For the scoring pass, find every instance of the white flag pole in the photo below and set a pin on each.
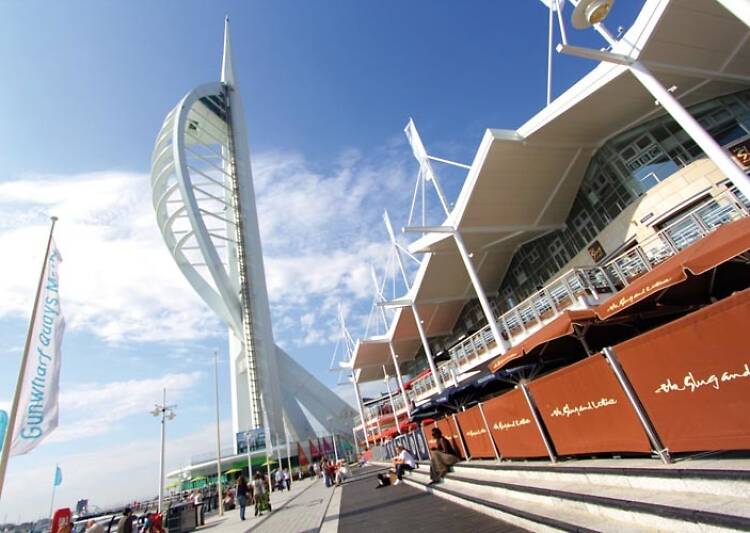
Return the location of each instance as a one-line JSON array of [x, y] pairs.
[[22, 372]]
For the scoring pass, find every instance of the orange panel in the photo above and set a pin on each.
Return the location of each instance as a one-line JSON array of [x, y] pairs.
[[585, 410], [513, 427], [693, 377], [478, 440]]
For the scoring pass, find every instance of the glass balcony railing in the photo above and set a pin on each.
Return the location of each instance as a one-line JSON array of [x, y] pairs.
[[582, 288]]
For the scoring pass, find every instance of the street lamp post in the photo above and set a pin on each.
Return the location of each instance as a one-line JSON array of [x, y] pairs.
[[218, 435], [249, 456], [333, 436], [166, 412]]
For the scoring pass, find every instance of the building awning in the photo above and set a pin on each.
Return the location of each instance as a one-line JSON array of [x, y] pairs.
[[523, 182], [371, 354], [562, 326], [724, 244]]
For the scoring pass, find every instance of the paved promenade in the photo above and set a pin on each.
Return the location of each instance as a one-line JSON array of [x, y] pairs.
[[301, 509], [355, 507]]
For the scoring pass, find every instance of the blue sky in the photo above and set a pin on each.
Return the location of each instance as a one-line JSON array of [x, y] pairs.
[[328, 88]]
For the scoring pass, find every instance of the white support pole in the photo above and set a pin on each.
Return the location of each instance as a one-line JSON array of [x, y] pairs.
[[693, 128], [269, 446], [425, 168], [161, 455], [687, 122], [218, 434], [288, 453], [278, 453], [489, 315], [559, 8], [739, 8], [361, 409], [550, 38], [335, 448], [394, 357], [399, 379], [269, 450], [356, 444], [386, 379], [417, 319], [427, 350], [249, 457]]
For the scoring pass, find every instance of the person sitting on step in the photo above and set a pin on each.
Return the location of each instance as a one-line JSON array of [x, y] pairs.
[[403, 461], [442, 457]]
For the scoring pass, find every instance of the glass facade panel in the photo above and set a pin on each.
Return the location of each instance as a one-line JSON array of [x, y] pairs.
[[622, 170]]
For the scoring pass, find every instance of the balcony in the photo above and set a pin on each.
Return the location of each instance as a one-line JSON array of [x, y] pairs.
[[581, 288]]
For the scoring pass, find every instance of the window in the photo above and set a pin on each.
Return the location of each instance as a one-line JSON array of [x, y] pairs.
[[584, 226], [620, 171], [558, 253]]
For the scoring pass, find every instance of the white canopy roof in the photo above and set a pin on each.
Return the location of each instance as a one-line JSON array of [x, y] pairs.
[[522, 182]]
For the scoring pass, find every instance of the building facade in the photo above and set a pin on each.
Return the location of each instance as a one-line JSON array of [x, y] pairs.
[[601, 183]]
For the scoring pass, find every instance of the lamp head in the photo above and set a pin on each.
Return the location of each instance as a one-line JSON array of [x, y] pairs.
[[590, 12]]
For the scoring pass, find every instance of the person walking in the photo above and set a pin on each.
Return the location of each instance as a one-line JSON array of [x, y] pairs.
[[197, 500], [317, 469], [243, 493], [287, 480], [125, 524], [330, 471], [260, 494], [279, 479]]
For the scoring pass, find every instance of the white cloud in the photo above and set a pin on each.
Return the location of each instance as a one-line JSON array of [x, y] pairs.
[[320, 231], [117, 279], [91, 409]]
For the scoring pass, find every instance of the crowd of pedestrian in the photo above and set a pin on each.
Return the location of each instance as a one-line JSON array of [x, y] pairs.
[[331, 471], [240, 494]]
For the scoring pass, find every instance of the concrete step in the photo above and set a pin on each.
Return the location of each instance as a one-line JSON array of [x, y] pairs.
[[728, 477], [598, 506], [517, 511]]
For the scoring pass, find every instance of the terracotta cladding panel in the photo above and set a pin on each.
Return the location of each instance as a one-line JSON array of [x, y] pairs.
[[513, 427], [585, 410], [478, 440], [693, 377]]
